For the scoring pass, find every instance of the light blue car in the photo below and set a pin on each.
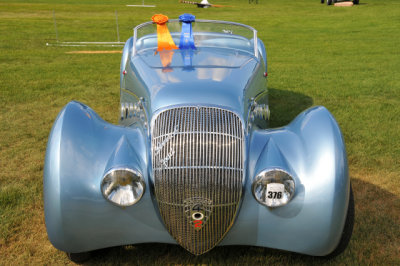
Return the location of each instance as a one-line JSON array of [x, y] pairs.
[[192, 161]]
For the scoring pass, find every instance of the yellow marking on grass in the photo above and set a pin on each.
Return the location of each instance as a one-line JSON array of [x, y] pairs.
[[344, 4], [94, 52]]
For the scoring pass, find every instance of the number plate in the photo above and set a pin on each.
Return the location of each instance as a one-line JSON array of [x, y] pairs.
[[274, 193]]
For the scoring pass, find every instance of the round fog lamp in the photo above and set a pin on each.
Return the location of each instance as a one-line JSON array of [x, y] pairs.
[[123, 187], [273, 187]]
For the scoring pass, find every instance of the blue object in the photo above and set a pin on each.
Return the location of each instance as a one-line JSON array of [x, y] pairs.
[[187, 58], [199, 140], [187, 40]]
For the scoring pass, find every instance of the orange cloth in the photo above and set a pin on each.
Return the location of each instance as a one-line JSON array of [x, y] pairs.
[[164, 38]]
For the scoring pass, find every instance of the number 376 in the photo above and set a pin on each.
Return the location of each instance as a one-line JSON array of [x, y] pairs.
[[274, 195]]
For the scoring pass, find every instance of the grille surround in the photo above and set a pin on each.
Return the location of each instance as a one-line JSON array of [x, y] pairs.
[[198, 166]]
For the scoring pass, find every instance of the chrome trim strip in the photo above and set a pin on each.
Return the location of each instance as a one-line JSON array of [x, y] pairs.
[[197, 132], [200, 167]]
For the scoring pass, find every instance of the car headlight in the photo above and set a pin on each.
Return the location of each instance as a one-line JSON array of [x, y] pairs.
[[273, 187], [123, 186]]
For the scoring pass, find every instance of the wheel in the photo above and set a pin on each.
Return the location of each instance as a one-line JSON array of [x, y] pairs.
[[79, 257], [356, 2], [329, 2], [347, 230], [322, 1]]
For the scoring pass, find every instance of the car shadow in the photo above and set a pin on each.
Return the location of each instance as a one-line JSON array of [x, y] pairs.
[[286, 105], [374, 236]]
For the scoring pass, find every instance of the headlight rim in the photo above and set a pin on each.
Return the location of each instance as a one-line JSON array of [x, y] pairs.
[[261, 174], [128, 169]]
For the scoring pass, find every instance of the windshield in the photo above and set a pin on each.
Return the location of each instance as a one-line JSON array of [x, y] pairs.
[[206, 33]]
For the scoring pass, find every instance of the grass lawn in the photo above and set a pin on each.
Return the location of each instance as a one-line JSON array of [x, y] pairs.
[[345, 58]]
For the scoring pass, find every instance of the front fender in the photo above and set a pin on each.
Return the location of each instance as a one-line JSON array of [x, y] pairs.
[[311, 149], [81, 148]]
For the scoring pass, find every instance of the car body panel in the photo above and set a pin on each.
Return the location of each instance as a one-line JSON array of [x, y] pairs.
[[82, 148]]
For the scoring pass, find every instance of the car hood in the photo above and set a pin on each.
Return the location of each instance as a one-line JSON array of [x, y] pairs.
[[206, 76]]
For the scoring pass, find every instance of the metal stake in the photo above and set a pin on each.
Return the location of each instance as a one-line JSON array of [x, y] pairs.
[[116, 18], [55, 24]]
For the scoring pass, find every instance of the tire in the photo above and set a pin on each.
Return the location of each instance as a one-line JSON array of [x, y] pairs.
[[322, 1], [347, 230], [356, 2], [79, 257], [329, 2]]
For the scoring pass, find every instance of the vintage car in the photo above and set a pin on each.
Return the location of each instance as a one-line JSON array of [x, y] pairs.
[[192, 161]]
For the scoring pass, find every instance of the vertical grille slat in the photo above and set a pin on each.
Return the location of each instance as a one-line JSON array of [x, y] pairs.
[[197, 159]]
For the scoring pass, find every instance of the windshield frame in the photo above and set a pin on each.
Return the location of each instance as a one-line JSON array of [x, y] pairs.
[[254, 31]]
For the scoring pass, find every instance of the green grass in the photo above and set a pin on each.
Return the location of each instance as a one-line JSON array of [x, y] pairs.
[[347, 59]]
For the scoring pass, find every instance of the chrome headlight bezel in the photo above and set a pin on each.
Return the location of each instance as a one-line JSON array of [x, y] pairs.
[[274, 177], [130, 180]]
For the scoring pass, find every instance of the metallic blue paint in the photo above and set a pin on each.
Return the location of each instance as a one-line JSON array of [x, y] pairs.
[[82, 148]]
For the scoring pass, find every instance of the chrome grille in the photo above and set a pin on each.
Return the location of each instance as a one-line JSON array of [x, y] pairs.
[[197, 159]]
